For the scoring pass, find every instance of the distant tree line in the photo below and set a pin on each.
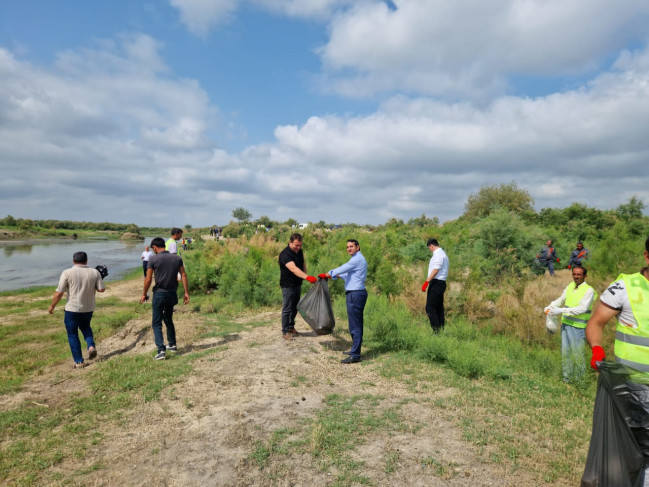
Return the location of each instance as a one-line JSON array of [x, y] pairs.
[[26, 223]]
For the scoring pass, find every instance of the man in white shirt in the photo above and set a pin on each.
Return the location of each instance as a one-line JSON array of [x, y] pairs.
[[575, 305], [435, 284], [145, 258]]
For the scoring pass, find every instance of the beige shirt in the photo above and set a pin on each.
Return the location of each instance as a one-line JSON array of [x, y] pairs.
[[80, 282]]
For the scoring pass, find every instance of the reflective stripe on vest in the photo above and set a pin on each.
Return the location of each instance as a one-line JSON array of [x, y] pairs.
[[632, 344], [573, 297]]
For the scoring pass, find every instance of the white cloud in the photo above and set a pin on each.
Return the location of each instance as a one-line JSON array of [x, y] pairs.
[[468, 48], [200, 16], [110, 133]]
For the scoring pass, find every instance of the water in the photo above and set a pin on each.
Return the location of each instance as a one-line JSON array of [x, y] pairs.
[[40, 262]]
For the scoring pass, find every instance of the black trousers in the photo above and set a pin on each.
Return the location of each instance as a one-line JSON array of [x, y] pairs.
[[435, 304]]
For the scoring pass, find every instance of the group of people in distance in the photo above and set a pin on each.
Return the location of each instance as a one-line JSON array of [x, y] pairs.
[[293, 271]]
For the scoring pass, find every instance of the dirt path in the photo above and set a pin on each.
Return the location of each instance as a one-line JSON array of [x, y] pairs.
[[203, 431]]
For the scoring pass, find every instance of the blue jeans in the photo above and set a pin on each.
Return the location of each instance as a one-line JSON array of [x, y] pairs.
[[73, 323], [162, 307], [573, 361], [355, 306], [290, 297]]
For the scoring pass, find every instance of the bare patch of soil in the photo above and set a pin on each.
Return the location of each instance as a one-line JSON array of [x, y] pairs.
[[203, 430]]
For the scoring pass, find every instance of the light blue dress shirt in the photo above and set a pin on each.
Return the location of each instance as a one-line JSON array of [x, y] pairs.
[[353, 272]]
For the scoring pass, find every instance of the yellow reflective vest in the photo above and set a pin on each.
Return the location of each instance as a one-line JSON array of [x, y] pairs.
[[168, 243], [573, 297], [632, 344]]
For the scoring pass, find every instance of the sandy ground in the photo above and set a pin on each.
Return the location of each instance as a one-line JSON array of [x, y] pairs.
[[203, 430]]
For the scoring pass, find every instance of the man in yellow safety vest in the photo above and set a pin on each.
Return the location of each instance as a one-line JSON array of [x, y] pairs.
[[575, 305], [627, 299]]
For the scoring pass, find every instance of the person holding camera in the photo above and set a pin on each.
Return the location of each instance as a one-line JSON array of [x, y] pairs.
[[80, 282]]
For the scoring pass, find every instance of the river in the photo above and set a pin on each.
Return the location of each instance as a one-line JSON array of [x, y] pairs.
[[40, 262]]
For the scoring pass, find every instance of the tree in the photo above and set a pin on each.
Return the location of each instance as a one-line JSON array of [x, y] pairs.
[[423, 221], [506, 196], [632, 209], [265, 221], [241, 214], [188, 227]]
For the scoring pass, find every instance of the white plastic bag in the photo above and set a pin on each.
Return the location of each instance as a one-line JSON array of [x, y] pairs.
[[551, 323]]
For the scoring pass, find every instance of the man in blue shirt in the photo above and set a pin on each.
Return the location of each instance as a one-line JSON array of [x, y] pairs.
[[354, 272]]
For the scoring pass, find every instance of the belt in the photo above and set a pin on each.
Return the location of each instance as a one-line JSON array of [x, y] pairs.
[[354, 291]]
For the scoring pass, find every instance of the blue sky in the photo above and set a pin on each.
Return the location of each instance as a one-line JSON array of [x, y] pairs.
[[175, 112]]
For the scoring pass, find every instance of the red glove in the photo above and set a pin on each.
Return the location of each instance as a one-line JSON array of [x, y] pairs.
[[598, 356], [323, 276], [558, 260], [424, 286], [569, 266], [311, 279]]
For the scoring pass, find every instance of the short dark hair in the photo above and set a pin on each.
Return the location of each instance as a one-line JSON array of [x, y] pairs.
[[80, 258], [580, 243], [295, 236], [176, 231], [158, 242], [354, 241], [580, 267], [432, 241]]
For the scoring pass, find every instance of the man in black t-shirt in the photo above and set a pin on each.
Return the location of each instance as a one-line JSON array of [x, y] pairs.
[[166, 267], [292, 271]]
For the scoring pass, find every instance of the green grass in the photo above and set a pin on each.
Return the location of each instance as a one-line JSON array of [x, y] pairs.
[[506, 398]]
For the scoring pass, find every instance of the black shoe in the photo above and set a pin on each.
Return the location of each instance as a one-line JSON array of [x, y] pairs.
[[350, 360], [348, 352]]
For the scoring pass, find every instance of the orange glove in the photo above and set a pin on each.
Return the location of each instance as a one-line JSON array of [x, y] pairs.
[[424, 286], [311, 279], [598, 356]]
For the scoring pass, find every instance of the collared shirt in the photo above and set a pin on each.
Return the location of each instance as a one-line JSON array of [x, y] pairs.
[[582, 307], [354, 272], [80, 282], [439, 260]]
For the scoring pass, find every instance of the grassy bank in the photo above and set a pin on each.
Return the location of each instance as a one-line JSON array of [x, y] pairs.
[[507, 397]]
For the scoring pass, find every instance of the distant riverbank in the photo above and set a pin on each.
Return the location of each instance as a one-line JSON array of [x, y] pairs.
[[38, 234]]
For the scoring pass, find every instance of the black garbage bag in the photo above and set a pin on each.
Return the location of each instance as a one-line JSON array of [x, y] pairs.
[[619, 443], [315, 307]]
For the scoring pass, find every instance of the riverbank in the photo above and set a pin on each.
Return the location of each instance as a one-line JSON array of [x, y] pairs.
[[10, 235]]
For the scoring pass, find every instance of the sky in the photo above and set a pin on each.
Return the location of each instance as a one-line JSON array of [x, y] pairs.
[[176, 112]]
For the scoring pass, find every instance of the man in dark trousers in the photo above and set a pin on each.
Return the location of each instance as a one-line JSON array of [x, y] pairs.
[[166, 267], [435, 285], [292, 271], [547, 256], [354, 272]]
